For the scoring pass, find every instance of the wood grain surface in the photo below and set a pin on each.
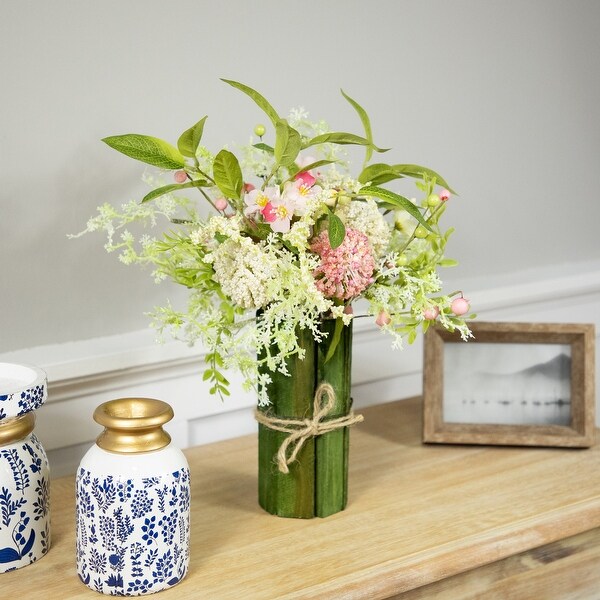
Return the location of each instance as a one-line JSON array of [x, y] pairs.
[[417, 514]]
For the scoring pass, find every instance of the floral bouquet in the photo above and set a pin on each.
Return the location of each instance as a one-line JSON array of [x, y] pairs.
[[279, 244]]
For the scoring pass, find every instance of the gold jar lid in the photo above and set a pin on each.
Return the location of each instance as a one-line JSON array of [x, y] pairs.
[[133, 425], [16, 428]]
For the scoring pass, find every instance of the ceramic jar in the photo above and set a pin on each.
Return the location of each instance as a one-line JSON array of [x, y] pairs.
[[133, 502], [24, 470], [24, 494]]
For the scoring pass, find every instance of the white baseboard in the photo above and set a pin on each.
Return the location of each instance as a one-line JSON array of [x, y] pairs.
[[83, 374]]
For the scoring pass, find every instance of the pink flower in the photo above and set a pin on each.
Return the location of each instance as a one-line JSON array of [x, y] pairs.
[[283, 210], [297, 192], [306, 178], [268, 213], [347, 270], [257, 200]]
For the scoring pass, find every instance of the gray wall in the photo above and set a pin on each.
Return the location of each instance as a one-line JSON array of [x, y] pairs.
[[502, 98]]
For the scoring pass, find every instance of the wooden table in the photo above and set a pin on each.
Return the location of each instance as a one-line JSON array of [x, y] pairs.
[[422, 522]]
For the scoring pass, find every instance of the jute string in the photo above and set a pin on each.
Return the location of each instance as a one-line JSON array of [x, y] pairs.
[[301, 430]]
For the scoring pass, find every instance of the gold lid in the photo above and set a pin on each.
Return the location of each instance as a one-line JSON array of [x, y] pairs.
[[133, 425], [15, 429]]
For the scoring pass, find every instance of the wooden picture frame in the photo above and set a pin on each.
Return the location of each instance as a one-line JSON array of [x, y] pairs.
[[512, 376]]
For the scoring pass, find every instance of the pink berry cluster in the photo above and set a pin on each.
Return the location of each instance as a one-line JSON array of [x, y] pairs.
[[344, 271], [459, 306]]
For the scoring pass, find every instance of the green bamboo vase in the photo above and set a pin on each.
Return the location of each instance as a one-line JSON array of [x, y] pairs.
[[317, 482]]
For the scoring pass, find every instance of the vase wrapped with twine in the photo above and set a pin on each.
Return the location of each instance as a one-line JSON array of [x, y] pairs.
[[303, 434]]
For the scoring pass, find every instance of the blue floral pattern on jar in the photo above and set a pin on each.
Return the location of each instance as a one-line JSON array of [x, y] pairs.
[[19, 403], [132, 534], [24, 503]]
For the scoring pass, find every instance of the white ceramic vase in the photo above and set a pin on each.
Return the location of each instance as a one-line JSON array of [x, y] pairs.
[[133, 502], [24, 470]]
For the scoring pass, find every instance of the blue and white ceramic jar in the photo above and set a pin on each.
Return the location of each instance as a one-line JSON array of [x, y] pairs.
[[133, 502], [24, 494], [24, 470]]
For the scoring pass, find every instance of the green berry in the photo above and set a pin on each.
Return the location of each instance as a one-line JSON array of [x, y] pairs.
[[260, 130], [402, 260], [433, 200], [421, 232]]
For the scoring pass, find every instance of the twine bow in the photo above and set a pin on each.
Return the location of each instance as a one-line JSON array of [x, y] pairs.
[[301, 430]]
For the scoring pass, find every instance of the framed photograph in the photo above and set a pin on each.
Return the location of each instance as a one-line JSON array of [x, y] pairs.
[[522, 384]]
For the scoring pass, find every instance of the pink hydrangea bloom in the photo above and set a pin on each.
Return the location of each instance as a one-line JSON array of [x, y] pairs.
[[347, 270]]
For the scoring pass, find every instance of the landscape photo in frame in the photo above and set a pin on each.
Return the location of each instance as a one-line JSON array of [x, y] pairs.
[[507, 384], [529, 384]]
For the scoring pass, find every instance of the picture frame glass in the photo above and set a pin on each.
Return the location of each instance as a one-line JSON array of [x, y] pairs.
[[507, 383]]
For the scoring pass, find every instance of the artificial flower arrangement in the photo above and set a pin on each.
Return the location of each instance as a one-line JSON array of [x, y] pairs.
[[280, 242], [292, 237]]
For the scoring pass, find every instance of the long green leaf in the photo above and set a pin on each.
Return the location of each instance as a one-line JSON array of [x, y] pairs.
[[228, 174], [316, 164], [173, 187], [378, 173], [395, 200], [147, 149], [340, 137], [287, 143], [189, 140], [262, 102], [418, 171], [364, 117]]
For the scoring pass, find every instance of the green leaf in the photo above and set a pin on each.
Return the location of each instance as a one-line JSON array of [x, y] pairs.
[[336, 231], [364, 117], [448, 262], [189, 140], [287, 143], [264, 147], [335, 340], [338, 137], [165, 189], [395, 201], [294, 169], [262, 103], [228, 174], [378, 173], [147, 149], [315, 165], [417, 171]]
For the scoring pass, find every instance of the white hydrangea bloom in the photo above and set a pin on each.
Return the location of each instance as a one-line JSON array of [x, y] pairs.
[[334, 179], [366, 218], [244, 269]]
